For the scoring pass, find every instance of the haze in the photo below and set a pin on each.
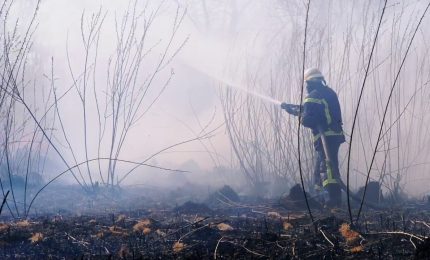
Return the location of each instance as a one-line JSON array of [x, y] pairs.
[[258, 46]]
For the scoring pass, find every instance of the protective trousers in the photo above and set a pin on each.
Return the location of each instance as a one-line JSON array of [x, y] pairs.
[[326, 174]]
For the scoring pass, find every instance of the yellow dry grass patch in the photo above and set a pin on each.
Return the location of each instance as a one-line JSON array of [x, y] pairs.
[[36, 238], [287, 225], [295, 216], [357, 249], [335, 210], [199, 219], [23, 224], [178, 247], [273, 214], [350, 236], [160, 233], [224, 227], [146, 231], [142, 226], [3, 227], [100, 235], [117, 231], [121, 218]]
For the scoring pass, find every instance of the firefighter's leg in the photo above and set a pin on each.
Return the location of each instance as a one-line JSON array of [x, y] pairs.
[[335, 195], [331, 183], [319, 164]]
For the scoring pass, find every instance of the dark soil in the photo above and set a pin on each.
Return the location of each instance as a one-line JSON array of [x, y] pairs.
[[190, 207]]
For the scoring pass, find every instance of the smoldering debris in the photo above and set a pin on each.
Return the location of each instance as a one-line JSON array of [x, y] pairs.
[[222, 196], [190, 207], [373, 193], [296, 199]]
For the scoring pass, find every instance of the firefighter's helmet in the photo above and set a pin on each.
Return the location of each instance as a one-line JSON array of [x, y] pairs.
[[313, 74]]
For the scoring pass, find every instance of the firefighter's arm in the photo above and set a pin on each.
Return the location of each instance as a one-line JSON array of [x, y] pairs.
[[291, 109], [312, 113]]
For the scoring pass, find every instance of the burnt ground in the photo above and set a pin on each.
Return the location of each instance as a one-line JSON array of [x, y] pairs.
[[217, 228]]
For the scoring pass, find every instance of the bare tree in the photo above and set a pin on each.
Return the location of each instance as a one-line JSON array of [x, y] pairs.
[[31, 112], [24, 146], [132, 86]]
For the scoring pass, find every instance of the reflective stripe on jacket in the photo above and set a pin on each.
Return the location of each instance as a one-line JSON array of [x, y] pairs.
[[321, 108]]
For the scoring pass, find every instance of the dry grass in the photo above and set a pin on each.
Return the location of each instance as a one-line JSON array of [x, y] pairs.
[[287, 225], [178, 247], [3, 227], [160, 233], [121, 218], [274, 215], [349, 235], [146, 231], [36, 238], [142, 226], [224, 227], [23, 224], [198, 219], [100, 235], [357, 249], [335, 211], [117, 231]]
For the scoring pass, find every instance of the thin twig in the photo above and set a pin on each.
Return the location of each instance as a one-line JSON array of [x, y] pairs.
[[216, 248], [412, 242], [386, 108], [356, 115], [192, 231], [4, 202], [420, 238], [248, 250], [300, 113], [326, 238], [422, 222], [189, 225]]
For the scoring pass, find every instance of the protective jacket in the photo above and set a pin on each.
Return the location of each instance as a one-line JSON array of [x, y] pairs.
[[321, 109]]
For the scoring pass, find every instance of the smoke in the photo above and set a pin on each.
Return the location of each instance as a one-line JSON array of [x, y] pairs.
[[256, 45]]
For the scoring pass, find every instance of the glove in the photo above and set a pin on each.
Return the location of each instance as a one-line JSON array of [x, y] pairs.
[[291, 109], [284, 106]]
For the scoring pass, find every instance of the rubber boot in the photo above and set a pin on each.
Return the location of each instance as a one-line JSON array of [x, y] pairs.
[[335, 195]]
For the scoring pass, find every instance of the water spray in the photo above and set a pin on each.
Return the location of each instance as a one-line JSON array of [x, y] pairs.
[[228, 83]]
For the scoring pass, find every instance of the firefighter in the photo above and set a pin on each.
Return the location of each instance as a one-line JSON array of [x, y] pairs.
[[321, 113]]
